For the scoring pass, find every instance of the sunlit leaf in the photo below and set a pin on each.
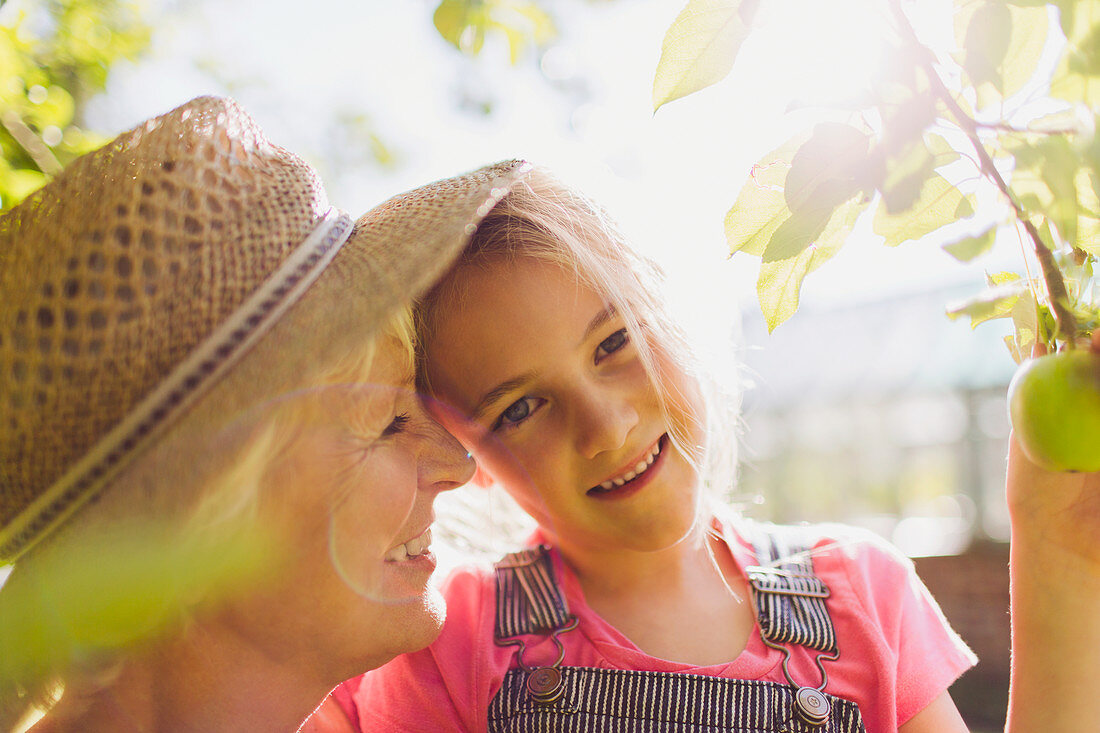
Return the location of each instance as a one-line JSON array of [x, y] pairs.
[[1088, 211], [988, 34], [938, 205], [779, 283], [1000, 45], [1025, 321], [995, 302], [699, 48], [941, 150], [827, 169], [905, 177], [450, 20], [760, 207], [1059, 172], [1030, 28], [971, 247], [1075, 79]]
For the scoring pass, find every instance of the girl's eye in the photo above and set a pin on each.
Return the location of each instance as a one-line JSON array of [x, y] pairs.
[[397, 425], [517, 412], [611, 344]]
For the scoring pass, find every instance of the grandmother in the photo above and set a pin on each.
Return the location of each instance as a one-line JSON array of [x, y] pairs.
[[216, 482]]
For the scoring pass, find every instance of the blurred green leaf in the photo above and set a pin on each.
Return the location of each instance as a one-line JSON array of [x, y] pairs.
[[1059, 172], [54, 57], [988, 33], [995, 302], [129, 586], [1000, 44], [939, 204], [700, 47], [905, 176], [972, 247], [466, 23]]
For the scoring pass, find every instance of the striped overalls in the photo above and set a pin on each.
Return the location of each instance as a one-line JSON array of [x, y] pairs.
[[790, 608]]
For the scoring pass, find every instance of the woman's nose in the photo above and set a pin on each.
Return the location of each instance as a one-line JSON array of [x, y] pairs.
[[603, 422], [443, 463]]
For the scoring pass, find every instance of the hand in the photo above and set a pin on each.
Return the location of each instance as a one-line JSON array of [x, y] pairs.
[[1052, 510]]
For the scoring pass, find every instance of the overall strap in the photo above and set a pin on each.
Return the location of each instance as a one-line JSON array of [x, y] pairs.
[[528, 595], [789, 597]]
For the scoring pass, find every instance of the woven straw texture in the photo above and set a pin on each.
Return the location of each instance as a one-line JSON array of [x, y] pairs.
[[117, 269], [402, 247]]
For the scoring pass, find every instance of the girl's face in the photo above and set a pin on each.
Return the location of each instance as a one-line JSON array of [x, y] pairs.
[[352, 497], [537, 374]]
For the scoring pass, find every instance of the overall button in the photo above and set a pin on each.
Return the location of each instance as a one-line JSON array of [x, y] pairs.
[[544, 684], [811, 705]]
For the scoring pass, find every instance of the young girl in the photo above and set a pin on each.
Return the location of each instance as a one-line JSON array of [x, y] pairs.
[[641, 603]]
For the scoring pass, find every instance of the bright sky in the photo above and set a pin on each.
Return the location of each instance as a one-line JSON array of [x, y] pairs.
[[670, 176]]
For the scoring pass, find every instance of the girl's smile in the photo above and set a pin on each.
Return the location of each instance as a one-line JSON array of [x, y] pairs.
[[554, 400]]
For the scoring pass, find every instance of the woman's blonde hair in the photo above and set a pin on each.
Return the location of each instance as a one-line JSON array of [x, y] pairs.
[[544, 219], [197, 487]]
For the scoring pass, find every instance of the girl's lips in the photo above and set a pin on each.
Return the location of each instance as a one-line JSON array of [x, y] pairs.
[[411, 549], [621, 487]]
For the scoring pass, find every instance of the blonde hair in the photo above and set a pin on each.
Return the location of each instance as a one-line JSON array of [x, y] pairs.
[[543, 219], [215, 488]]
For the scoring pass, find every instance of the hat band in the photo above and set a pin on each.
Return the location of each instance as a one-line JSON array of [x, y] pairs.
[[210, 359]]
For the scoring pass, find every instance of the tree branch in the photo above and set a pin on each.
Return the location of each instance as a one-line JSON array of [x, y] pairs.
[[1066, 322]]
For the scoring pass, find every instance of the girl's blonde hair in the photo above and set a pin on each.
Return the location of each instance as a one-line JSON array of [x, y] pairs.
[[543, 219], [203, 487]]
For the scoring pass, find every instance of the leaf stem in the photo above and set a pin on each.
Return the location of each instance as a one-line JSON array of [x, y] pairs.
[[1066, 323]]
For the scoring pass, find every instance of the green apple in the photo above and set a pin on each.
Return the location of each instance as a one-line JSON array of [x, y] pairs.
[[1054, 405]]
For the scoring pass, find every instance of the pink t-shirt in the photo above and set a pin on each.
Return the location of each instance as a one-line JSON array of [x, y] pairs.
[[897, 652]]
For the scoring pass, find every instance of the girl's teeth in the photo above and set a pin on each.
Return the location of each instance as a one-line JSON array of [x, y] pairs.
[[413, 548], [639, 468]]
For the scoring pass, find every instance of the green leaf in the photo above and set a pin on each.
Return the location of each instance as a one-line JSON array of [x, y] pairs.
[[939, 204], [779, 283], [1000, 45], [987, 37], [449, 19], [761, 207], [1075, 79], [1059, 171], [1025, 322], [969, 248], [129, 586], [699, 48], [905, 177], [827, 169], [1000, 278], [995, 302]]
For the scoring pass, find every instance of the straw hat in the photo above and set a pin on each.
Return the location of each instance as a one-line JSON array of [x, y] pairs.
[[139, 276]]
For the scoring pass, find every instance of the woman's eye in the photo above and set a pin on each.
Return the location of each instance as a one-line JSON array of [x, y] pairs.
[[611, 344], [397, 425], [517, 412]]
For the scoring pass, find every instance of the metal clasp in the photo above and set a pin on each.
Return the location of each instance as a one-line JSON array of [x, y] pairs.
[[544, 683]]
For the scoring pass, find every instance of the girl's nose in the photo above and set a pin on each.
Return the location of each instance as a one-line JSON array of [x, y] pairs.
[[603, 422], [443, 463]]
